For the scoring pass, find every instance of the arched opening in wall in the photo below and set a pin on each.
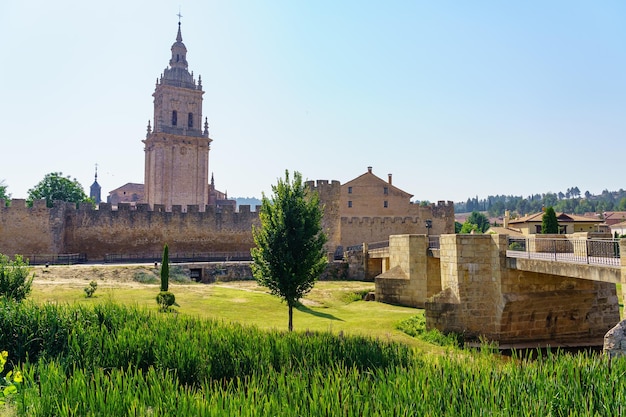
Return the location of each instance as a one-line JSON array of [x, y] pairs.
[[190, 120], [174, 118]]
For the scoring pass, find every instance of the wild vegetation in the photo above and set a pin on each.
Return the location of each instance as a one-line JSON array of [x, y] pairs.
[[124, 361], [97, 356]]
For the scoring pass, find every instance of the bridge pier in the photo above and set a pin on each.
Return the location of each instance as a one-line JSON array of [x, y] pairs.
[[412, 275]]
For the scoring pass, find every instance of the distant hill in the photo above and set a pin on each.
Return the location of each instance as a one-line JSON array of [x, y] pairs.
[[250, 201]]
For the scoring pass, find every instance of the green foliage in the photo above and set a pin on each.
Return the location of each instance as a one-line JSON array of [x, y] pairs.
[[165, 269], [116, 361], [549, 222], [4, 195], [165, 300], [289, 255], [180, 275], [416, 326], [93, 286], [469, 228], [9, 381], [457, 227], [145, 278], [476, 222], [15, 278], [54, 187]]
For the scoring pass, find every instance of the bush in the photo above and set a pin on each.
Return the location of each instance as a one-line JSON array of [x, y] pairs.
[[165, 299], [416, 326], [145, 278], [15, 279], [93, 286]]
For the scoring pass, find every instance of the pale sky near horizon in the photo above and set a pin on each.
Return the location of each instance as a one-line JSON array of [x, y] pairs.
[[456, 99]]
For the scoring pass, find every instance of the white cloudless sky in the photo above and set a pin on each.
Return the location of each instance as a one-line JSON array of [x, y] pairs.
[[456, 99]]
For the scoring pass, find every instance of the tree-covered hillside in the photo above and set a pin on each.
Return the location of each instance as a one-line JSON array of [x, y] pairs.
[[572, 201]]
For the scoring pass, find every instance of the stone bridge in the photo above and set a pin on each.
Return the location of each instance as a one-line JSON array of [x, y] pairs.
[[533, 292]]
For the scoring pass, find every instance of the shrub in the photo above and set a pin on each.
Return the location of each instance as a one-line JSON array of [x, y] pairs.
[[165, 299], [416, 326], [15, 278], [93, 286], [145, 278]]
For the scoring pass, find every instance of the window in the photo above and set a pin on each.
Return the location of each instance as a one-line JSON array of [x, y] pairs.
[[386, 191], [538, 228], [385, 204], [349, 190], [349, 203], [174, 118], [190, 120]]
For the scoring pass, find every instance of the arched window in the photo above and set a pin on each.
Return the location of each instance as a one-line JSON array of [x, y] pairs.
[[190, 120], [174, 118]]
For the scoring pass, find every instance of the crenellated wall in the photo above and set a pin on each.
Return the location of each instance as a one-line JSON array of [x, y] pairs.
[[141, 229], [127, 230]]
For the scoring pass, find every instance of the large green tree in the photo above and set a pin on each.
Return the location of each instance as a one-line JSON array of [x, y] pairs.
[[55, 186], [549, 222], [289, 255]]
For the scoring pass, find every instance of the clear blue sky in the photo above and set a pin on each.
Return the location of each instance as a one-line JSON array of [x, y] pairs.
[[454, 98]]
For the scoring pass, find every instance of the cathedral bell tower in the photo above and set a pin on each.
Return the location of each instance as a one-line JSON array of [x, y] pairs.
[[177, 145]]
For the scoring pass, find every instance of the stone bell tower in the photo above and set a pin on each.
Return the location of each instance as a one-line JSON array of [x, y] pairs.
[[177, 145]]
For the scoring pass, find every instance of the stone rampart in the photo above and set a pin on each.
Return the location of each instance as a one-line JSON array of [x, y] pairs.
[[329, 193], [356, 230], [127, 230]]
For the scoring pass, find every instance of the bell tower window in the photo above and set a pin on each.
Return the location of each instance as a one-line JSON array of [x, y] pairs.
[[174, 118], [190, 120]]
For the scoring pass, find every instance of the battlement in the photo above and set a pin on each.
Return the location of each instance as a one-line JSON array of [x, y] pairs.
[[325, 185]]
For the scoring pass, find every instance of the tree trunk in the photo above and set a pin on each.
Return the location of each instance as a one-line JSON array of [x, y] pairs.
[[290, 317]]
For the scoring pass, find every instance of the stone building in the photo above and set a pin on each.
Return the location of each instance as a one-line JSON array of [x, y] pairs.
[[177, 144]]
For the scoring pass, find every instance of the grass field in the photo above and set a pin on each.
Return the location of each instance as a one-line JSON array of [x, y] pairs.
[[330, 306], [115, 355]]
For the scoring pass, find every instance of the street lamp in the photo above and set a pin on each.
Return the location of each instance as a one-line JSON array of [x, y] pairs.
[[429, 225]]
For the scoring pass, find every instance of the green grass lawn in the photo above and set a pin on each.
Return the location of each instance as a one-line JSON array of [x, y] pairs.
[[330, 306]]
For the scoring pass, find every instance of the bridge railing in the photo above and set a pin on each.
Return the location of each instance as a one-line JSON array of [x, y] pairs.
[[587, 251]]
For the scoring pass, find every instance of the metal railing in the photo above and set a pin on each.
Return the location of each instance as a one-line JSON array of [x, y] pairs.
[[433, 242], [584, 251], [56, 259], [178, 257]]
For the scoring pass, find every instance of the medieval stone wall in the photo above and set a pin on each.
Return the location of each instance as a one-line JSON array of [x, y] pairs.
[[140, 230], [27, 230], [127, 230], [356, 230]]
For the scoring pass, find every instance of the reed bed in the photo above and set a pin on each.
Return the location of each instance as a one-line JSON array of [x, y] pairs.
[[123, 361]]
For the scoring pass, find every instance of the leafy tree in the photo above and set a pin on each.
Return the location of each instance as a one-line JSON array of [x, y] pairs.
[[4, 195], [289, 255], [55, 186], [468, 228], [480, 220], [15, 278], [549, 222]]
